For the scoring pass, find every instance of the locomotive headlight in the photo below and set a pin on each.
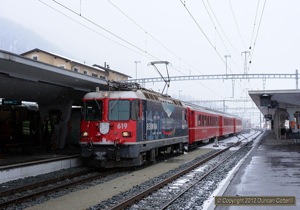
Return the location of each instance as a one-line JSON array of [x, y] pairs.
[[126, 134], [105, 94], [85, 134], [104, 127]]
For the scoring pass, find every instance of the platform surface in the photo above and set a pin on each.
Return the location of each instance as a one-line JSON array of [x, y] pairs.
[[272, 169], [17, 157]]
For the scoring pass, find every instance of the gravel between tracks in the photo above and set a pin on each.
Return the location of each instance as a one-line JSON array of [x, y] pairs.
[[94, 193]]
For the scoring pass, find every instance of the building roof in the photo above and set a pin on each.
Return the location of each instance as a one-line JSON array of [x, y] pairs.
[[56, 55], [285, 99], [71, 60], [108, 69]]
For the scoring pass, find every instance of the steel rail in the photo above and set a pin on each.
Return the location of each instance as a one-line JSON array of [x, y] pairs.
[[133, 199], [62, 186], [43, 183], [191, 185]]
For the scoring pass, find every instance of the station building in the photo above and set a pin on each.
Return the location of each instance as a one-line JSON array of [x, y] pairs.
[[38, 84]]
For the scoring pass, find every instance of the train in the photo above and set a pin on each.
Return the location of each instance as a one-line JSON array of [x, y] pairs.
[[129, 125]]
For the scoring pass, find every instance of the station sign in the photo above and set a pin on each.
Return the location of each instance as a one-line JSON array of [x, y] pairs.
[[11, 102], [268, 117]]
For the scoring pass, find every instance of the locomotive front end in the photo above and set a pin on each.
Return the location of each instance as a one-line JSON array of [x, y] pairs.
[[108, 126]]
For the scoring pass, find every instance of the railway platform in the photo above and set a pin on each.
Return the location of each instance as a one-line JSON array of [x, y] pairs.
[[16, 165], [271, 169]]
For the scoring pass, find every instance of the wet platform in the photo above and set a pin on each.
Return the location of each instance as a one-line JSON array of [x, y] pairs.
[[271, 169]]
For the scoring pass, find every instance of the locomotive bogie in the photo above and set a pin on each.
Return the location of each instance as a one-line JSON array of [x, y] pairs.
[[126, 155]]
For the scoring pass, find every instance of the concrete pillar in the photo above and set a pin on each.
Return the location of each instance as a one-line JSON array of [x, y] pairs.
[[61, 128], [279, 122], [276, 124], [66, 113]]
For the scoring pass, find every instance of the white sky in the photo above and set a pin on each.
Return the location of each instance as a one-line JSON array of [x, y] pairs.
[[166, 31]]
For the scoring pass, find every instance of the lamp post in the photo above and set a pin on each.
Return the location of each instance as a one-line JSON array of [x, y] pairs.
[[226, 56], [136, 62]]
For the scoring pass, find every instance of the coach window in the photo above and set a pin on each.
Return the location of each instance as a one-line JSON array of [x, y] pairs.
[[119, 110], [135, 109], [202, 120]]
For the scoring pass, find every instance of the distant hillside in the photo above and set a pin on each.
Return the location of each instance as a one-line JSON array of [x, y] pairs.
[[17, 39]]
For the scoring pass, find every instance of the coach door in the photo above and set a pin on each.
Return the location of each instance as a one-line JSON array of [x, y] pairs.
[[220, 126]]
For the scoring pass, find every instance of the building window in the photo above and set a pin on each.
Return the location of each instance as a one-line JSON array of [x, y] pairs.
[[61, 66], [76, 69], [94, 75], [102, 77], [85, 72], [35, 57]]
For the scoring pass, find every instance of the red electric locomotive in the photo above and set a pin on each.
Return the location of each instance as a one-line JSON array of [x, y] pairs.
[[128, 127]]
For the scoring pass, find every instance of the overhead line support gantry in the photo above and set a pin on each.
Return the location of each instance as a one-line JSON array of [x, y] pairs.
[[220, 76]]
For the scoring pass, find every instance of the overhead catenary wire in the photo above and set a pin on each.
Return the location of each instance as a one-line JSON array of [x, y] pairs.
[[236, 24], [230, 43], [81, 16], [191, 15], [252, 35], [113, 34], [254, 24], [89, 28], [150, 35], [240, 35], [254, 43], [219, 33], [104, 29], [146, 32], [138, 49], [202, 31]]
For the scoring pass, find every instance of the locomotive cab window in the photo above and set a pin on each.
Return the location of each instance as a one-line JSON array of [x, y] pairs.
[[119, 109], [93, 110]]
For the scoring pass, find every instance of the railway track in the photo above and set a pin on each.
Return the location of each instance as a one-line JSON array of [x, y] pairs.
[[164, 193], [32, 191]]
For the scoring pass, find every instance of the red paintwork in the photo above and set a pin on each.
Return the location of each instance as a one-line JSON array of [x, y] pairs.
[[223, 125], [115, 131], [201, 132]]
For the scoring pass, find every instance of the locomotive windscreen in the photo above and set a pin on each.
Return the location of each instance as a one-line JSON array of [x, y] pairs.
[[93, 110], [123, 110], [119, 110]]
